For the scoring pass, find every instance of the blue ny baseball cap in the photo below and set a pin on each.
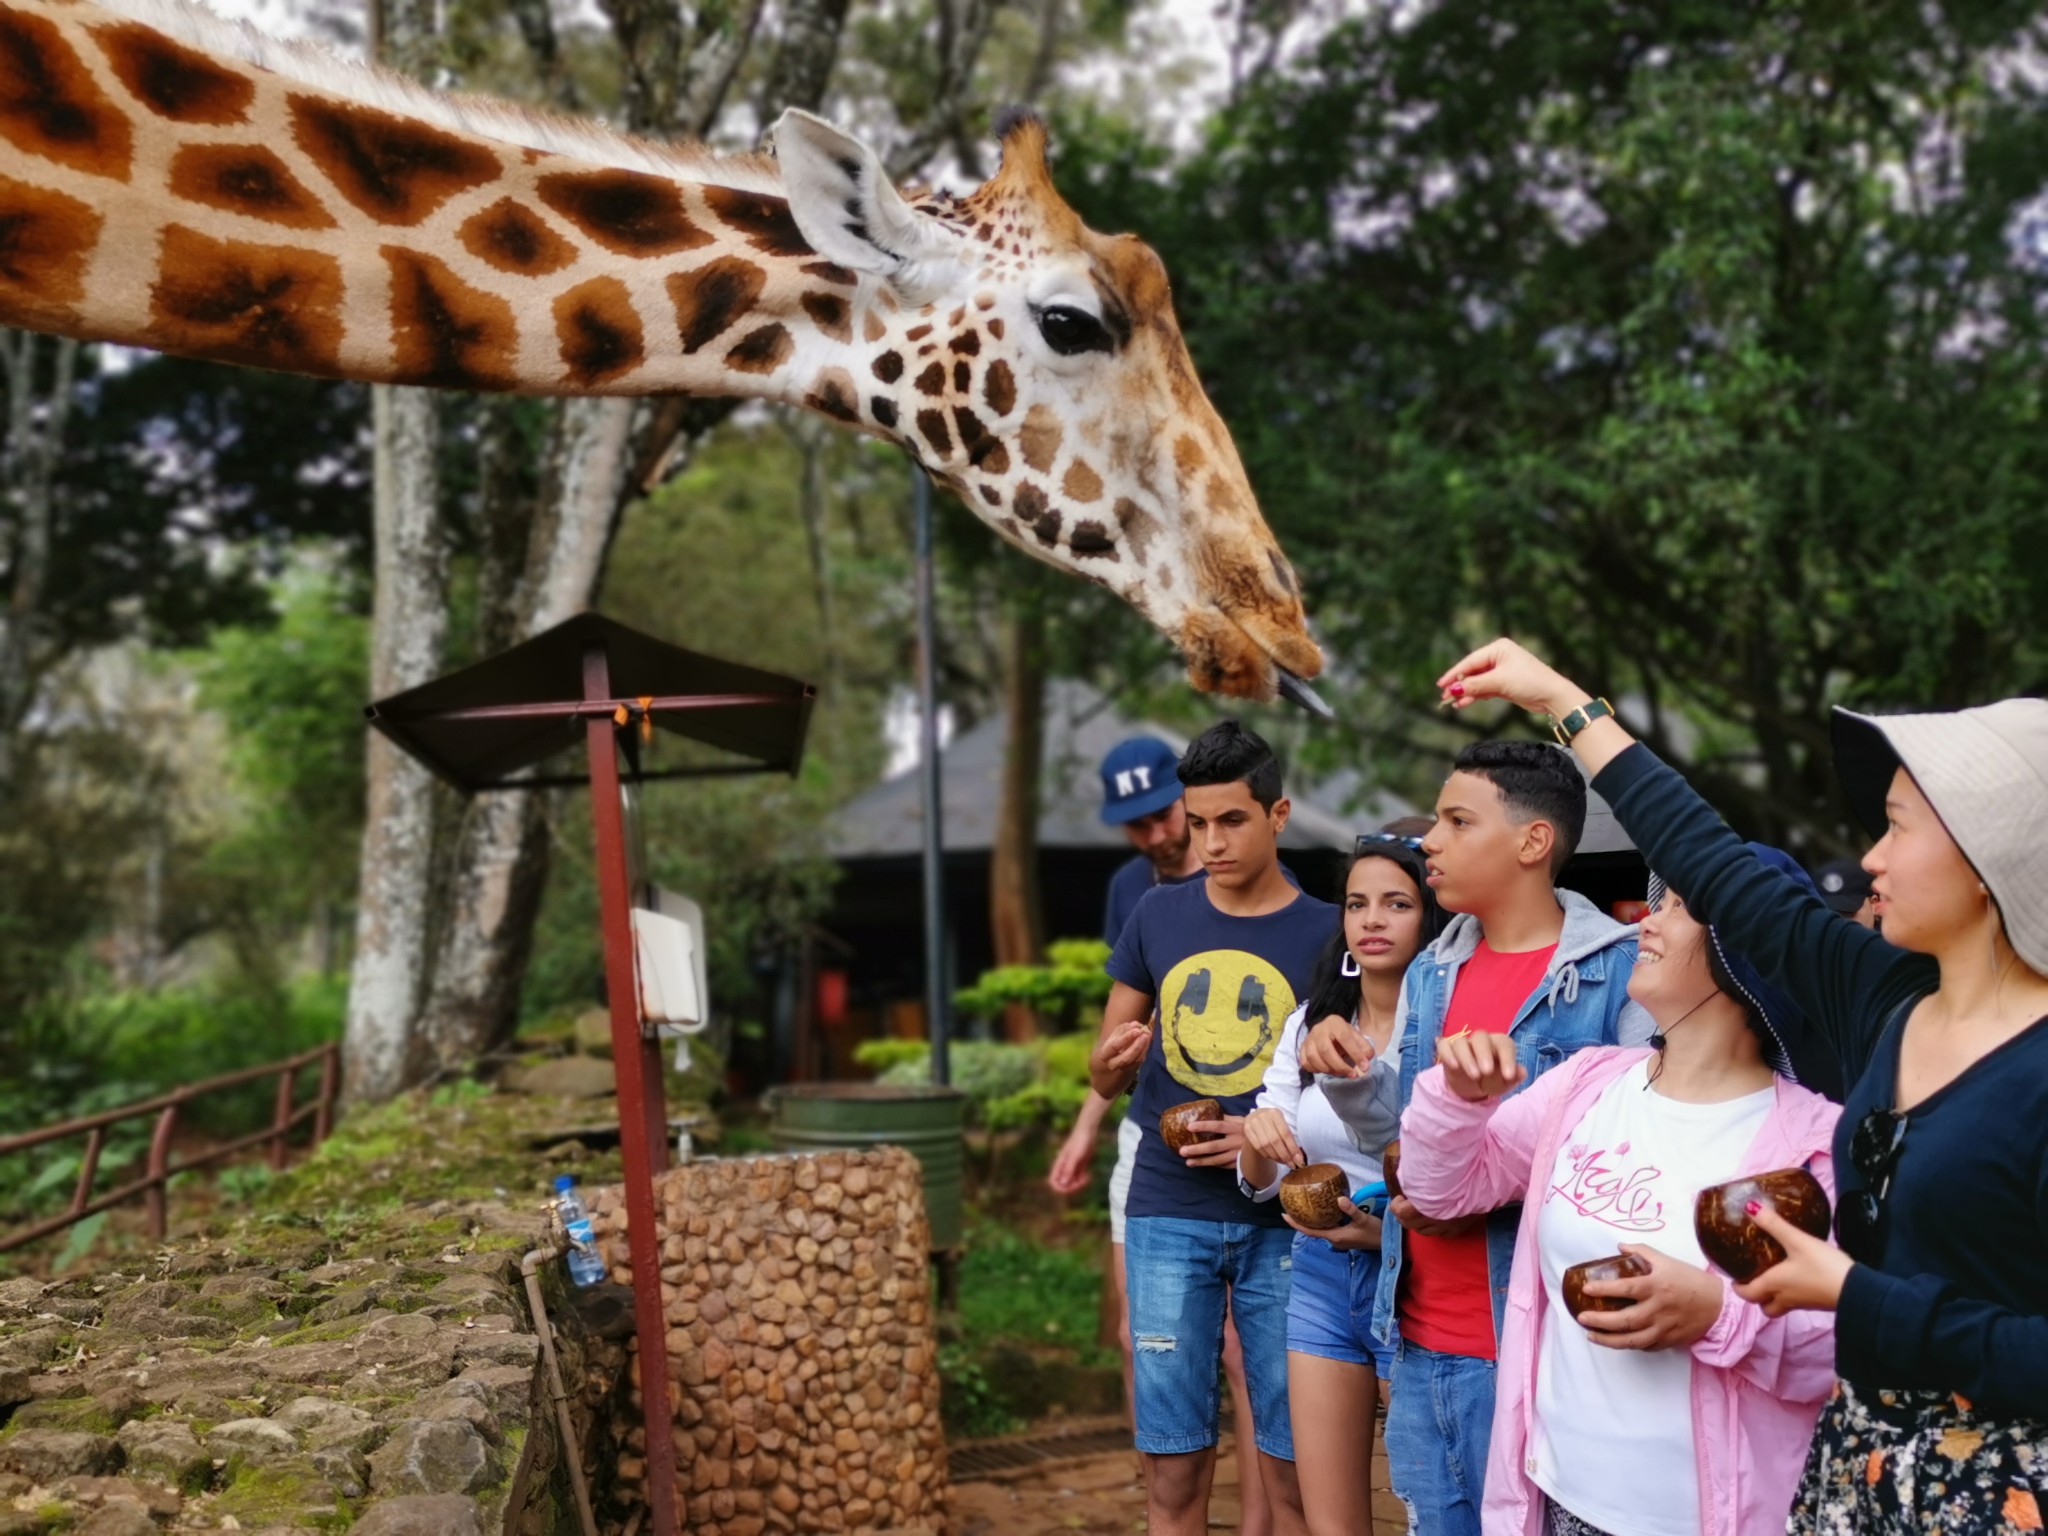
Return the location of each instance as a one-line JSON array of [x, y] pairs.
[[1138, 778]]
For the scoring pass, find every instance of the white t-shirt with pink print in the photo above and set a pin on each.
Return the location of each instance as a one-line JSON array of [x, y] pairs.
[[1613, 1439]]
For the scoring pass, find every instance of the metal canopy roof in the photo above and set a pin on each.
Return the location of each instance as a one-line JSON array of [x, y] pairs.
[[481, 727]]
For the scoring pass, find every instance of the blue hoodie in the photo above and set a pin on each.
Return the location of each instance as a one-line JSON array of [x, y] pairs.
[[1582, 1000]]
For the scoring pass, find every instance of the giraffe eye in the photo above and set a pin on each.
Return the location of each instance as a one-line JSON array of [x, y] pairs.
[[1069, 331]]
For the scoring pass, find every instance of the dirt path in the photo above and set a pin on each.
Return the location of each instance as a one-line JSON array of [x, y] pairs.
[[1101, 1495]]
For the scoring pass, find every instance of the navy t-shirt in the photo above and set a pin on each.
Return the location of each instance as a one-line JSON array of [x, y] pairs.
[[1129, 886], [1222, 988]]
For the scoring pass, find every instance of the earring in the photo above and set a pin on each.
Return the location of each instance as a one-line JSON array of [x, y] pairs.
[[1348, 966]]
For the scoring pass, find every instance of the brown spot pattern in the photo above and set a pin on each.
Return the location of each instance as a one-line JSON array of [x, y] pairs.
[[931, 426], [833, 395], [762, 350], [1188, 458], [1081, 482], [830, 313], [713, 298], [992, 496], [174, 81], [513, 238], [626, 212], [1139, 528], [996, 461], [1040, 439], [967, 343], [247, 179], [444, 332], [917, 333], [963, 378], [999, 388], [395, 170], [829, 272], [995, 329], [933, 380], [51, 107], [974, 437], [888, 367], [235, 301], [1031, 505], [45, 238], [764, 220], [871, 326], [883, 409], [1092, 541], [599, 332]]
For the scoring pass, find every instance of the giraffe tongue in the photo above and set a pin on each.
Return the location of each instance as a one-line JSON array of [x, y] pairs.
[[1296, 691]]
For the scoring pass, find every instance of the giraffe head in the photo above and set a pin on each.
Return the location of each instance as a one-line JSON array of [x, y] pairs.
[[1036, 367]]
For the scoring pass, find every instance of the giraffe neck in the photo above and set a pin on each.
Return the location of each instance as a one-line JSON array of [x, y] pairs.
[[247, 210]]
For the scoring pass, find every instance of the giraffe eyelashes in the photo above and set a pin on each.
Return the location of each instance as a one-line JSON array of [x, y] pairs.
[[1070, 332]]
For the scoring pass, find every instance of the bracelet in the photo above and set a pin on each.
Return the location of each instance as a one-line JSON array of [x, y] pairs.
[[1570, 726]]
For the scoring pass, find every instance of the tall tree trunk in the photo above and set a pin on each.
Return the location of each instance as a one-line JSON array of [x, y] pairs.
[[1016, 917], [409, 623], [28, 459]]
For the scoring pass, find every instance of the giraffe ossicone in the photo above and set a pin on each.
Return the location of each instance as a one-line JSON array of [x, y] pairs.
[[173, 182]]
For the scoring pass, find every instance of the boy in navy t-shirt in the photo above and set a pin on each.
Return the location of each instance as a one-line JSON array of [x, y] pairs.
[[1216, 965]]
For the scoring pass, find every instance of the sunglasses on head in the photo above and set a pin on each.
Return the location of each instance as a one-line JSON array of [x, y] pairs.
[[1874, 1151], [1367, 841]]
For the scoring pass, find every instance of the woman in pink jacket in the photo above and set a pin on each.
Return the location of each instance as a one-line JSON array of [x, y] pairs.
[[1688, 1412]]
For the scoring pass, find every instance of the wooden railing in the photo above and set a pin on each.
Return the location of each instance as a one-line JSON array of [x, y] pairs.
[[159, 1169]]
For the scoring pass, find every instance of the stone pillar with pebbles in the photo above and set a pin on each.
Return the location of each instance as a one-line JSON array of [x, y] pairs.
[[803, 1369]]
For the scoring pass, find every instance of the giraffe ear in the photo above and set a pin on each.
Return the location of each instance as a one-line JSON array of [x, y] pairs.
[[842, 200]]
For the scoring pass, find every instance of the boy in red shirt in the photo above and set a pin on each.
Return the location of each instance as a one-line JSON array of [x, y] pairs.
[[1525, 959]]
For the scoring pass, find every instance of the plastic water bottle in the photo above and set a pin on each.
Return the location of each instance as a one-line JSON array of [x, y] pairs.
[[586, 1268]]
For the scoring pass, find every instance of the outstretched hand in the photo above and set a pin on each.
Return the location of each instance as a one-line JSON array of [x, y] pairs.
[[1478, 1067], [1359, 1231], [1810, 1278], [1505, 670]]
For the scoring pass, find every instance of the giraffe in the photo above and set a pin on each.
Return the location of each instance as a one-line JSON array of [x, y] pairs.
[[173, 182]]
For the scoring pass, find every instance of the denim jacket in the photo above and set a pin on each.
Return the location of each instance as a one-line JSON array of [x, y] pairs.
[[1582, 1000]]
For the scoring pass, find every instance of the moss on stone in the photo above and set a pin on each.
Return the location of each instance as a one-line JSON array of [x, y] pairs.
[[81, 1414], [259, 1496]]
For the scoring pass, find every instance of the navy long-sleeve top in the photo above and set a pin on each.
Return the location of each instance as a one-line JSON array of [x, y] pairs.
[[1955, 1298]]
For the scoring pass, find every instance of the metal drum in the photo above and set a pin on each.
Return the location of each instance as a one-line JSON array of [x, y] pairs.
[[926, 1122]]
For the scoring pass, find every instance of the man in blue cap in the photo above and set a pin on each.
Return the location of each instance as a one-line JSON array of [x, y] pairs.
[[1141, 794]]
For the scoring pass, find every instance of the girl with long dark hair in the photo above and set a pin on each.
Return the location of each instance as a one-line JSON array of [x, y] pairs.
[[1335, 1368]]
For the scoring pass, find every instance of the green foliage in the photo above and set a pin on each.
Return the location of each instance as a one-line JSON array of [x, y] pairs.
[[972, 1405], [1708, 358], [1009, 1087], [1069, 985]]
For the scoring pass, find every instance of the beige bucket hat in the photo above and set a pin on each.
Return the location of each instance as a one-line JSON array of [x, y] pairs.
[[1985, 772]]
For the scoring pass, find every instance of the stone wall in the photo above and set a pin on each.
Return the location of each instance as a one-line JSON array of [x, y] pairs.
[[802, 1364]]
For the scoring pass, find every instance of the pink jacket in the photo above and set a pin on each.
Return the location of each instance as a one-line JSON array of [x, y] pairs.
[[1753, 1407]]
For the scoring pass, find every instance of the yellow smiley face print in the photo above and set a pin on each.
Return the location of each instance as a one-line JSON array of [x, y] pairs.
[[1220, 1014]]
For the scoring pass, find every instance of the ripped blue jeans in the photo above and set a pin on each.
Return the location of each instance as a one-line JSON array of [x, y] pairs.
[[1182, 1275]]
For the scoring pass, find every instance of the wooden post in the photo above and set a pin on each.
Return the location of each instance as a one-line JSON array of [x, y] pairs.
[[643, 1117]]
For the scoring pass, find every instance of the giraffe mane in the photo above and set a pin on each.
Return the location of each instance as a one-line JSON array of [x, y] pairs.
[[483, 116]]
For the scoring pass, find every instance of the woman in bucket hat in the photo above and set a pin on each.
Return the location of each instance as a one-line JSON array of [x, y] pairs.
[[1686, 1412], [1940, 1286]]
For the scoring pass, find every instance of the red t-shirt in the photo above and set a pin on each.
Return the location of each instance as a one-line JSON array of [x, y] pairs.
[[1446, 1292]]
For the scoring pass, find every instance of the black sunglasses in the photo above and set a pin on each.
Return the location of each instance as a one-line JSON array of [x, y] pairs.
[[1367, 841], [1874, 1151]]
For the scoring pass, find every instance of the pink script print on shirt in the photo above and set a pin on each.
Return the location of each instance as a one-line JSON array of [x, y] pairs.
[[1603, 1189]]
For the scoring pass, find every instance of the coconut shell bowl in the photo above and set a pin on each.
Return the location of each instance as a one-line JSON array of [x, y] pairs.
[[1175, 1123], [1310, 1195], [1734, 1242]]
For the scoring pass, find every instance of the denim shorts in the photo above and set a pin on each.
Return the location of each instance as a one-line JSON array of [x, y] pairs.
[[1329, 1313], [1183, 1275]]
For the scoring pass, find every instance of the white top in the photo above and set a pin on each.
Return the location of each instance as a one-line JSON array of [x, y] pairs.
[[1318, 1129], [1613, 1440]]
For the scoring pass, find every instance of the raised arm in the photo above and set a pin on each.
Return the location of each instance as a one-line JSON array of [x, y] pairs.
[[1846, 979], [1126, 1036], [1467, 1141]]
